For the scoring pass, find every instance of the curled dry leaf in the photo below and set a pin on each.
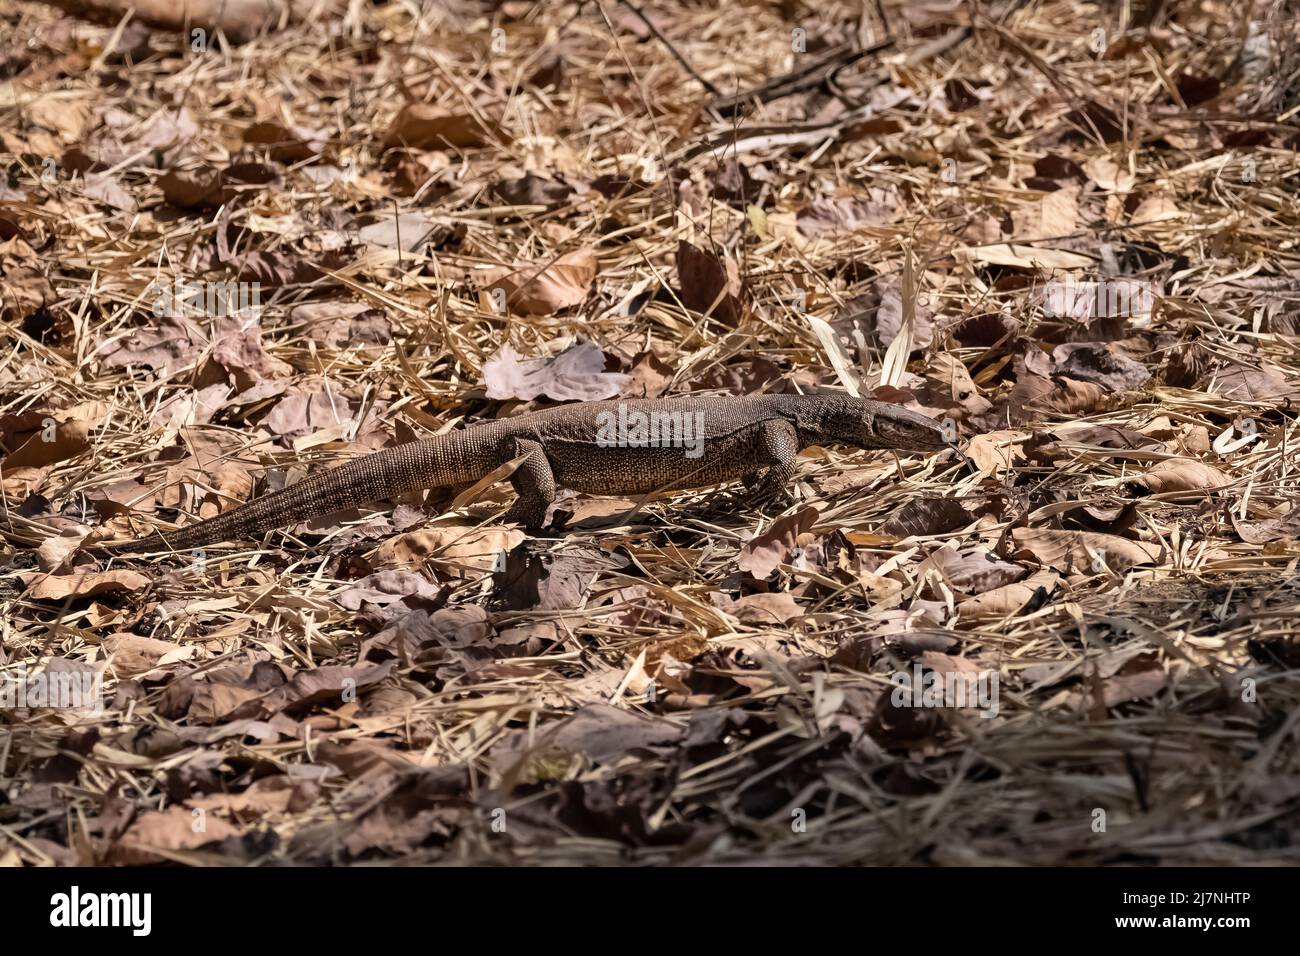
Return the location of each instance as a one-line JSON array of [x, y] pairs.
[[165, 345], [576, 374], [133, 654], [970, 571], [290, 144], [83, 584], [387, 587], [926, 516], [1270, 529], [63, 441], [547, 287], [1139, 677], [761, 554], [602, 733], [1008, 600], [649, 376], [341, 325], [209, 188], [171, 830], [995, 453], [770, 609], [55, 550], [828, 216], [708, 283], [425, 126], [949, 388], [456, 550], [548, 581], [1085, 552], [1100, 364], [1245, 383], [1183, 474]]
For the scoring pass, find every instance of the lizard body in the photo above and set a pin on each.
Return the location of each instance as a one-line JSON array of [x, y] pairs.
[[590, 447]]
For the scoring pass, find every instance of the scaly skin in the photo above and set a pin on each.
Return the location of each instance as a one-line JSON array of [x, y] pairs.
[[751, 438]]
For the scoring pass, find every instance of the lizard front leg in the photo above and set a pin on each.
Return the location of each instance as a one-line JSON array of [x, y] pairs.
[[534, 483], [777, 446]]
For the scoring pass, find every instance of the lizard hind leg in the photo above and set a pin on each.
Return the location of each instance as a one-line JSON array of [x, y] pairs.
[[534, 483]]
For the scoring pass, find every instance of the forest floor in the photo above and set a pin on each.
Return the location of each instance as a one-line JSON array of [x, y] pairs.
[[1074, 235]]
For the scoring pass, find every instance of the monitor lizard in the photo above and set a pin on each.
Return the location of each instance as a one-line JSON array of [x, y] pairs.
[[584, 447]]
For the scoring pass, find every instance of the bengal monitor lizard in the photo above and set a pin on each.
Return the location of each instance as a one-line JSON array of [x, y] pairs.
[[590, 447]]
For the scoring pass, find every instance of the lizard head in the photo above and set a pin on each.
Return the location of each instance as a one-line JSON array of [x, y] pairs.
[[892, 426]]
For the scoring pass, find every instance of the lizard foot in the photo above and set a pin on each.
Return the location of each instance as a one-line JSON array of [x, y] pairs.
[[528, 514]]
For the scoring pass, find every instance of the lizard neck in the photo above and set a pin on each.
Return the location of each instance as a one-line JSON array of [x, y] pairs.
[[824, 419]]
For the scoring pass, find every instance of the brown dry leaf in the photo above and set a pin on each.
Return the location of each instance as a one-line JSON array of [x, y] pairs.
[[175, 829], [708, 283], [604, 733], [1054, 216], [286, 144], [311, 412], [761, 554], [1007, 601], [533, 581], [576, 374], [1085, 552], [165, 345], [826, 216], [1270, 529], [579, 513], [1100, 364], [63, 112], [1140, 676], [107, 189], [771, 609], [546, 288], [889, 320], [207, 187], [1183, 474], [331, 686], [133, 654], [241, 353], [995, 453], [340, 325], [416, 637], [1109, 175], [927, 516], [54, 551], [971, 570], [60, 442], [387, 587], [83, 584], [425, 126], [1245, 383], [457, 550], [1069, 396], [188, 408], [649, 376], [949, 388], [24, 290]]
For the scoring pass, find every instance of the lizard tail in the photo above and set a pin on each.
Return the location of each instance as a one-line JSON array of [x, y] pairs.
[[432, 463]]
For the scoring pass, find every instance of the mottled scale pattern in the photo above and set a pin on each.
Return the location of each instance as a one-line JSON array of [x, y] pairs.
[[742, 437]]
